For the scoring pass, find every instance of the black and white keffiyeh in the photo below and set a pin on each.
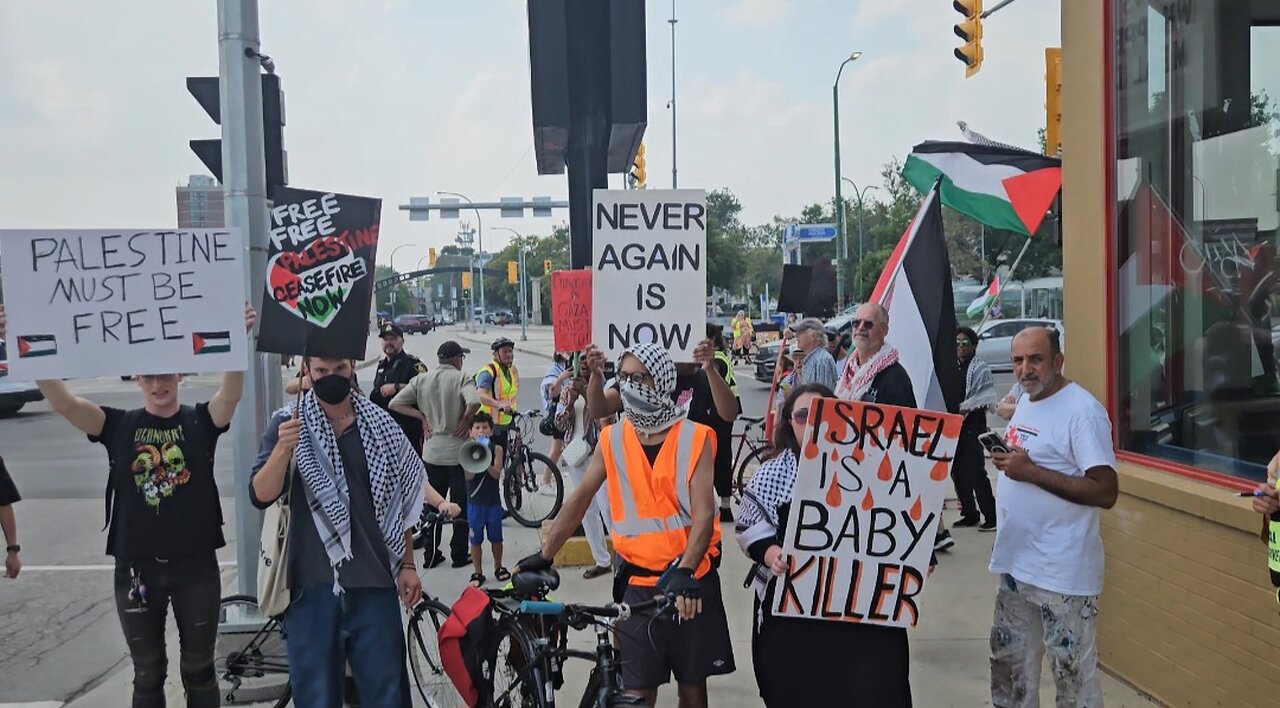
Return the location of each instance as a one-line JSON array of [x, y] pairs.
[[651, 410], [395, 479], [770, 487], [979, 387]]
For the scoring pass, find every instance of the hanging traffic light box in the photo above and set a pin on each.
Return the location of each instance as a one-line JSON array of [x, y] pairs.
[[969, 30]]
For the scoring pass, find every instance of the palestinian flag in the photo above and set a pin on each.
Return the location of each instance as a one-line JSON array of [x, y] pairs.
[[915, 287], [211, 342], [983, 301], [1002, 187], [37, 345]]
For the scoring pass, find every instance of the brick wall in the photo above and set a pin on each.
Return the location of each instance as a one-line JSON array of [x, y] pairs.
[[1188, 614]]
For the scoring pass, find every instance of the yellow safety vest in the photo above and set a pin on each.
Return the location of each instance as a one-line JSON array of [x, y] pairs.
[[729, 378], [504, 389]]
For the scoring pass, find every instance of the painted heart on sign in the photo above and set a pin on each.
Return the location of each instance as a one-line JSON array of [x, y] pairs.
[[299, 294]]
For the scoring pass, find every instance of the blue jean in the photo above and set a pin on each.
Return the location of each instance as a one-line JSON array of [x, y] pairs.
[[361, 627]]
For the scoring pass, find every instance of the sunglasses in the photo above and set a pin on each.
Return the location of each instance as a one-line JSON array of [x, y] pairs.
[[635, 377], [800, 416], [865, 325], [963, 343]]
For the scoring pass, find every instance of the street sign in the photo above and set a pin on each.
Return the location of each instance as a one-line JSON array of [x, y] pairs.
[[808, 233]]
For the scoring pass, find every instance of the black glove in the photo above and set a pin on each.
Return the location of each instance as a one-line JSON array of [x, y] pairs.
[[534, 562], [680, 582]]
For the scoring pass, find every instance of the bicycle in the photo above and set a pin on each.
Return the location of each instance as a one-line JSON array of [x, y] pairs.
[[521, 475], [532, 645], [422, 638], [745, 466], [250, 657]]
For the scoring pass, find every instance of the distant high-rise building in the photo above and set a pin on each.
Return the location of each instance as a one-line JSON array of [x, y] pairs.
[[200, 204]]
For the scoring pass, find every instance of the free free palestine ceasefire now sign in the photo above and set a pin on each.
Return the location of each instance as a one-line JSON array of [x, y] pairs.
[[98, 302], [320, 277]]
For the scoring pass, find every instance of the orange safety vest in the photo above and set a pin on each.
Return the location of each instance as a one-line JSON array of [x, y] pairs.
[[649, 504]]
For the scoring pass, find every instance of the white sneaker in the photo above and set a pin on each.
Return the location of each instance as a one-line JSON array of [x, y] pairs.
[[547, 490]]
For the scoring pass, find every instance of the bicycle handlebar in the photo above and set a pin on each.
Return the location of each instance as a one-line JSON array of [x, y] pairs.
[[618, 610]]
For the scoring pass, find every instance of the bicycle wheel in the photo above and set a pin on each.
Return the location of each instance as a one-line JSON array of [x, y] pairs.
[[250, 658], [523, 493], [516, 684], [746, 470], [435, 687]]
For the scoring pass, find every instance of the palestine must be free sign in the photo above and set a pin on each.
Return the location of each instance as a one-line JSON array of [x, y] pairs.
[[867, 500], [107, 302], [650, 281]]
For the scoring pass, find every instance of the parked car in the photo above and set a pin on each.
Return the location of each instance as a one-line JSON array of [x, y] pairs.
[[995, 339], [767, 355], [414, 324], [14, 394]]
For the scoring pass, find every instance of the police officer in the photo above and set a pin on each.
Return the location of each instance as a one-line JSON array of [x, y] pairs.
[[395, 370]]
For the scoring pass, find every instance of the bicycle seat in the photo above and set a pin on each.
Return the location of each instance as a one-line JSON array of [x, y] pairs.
[[753, 419], [535, 583]]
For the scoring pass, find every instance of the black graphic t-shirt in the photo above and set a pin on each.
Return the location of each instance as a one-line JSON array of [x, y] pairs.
[[163, 502]]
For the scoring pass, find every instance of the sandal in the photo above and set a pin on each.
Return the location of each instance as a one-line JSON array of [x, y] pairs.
[[477, 580], [596, 571], [501, 574]]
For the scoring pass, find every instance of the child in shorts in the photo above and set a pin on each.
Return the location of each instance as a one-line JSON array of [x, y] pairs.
[[484, 506]]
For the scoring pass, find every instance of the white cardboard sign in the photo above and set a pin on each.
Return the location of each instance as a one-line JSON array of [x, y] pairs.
[[99, 302], [864, 512], [649, 254]]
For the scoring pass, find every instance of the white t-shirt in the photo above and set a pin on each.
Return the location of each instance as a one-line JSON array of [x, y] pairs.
[[1044, 539]]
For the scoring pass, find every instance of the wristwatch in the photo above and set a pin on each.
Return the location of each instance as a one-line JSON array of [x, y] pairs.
[[13, 548]]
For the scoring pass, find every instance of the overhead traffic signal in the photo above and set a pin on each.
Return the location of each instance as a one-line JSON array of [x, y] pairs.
[[513, 272], [466, 281], [546, 267], [1053, 100], [431, 257], [206, 92], [969, 30], [639, 174]]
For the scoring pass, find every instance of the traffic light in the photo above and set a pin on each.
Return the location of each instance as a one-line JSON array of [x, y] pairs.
[[205, 90], [513, 272], [1053, 100], [970, 30], [431, 257], [546, 267], [638, 172], [466, 281]]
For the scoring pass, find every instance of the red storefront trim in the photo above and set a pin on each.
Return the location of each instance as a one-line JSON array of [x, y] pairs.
[[1188, 471]]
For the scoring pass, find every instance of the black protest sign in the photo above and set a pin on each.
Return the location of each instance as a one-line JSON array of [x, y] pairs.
[[866, 505], [320, 276], [793, 296]]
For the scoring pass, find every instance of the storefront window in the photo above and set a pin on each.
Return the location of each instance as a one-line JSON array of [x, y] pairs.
[[1197, 140]]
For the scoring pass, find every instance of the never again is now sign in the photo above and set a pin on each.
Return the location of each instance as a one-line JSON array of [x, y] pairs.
[[866, 506], [649, 254], [117, 302]]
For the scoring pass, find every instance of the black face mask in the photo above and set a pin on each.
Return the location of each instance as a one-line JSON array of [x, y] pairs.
[[332, 389]]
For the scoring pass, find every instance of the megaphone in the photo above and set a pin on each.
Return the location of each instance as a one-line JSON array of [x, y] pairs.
[[475, 457]]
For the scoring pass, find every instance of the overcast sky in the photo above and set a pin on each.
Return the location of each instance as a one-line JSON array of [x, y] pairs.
[[399, 98]]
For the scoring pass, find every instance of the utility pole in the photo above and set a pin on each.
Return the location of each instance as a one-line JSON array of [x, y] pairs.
[[244, 184], [673, 21]]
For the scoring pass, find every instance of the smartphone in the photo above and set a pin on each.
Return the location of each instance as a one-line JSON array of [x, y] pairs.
[[993, 443]]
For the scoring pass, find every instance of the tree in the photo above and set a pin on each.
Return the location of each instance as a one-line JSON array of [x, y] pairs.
[[404, 302]]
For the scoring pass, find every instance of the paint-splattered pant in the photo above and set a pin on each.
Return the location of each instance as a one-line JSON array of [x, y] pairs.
[[1030, 621]]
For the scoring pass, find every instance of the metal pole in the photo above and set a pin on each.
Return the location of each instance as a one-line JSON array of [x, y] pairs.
[[860, 193], [1000, 290], [984, 251], [999, 6], [522, 299], [245, 197], [673, 93], [393, 253], [480, 247], [844, 241]]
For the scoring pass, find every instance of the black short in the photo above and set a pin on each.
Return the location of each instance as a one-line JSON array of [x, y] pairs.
[[652, 650], [8, 490]]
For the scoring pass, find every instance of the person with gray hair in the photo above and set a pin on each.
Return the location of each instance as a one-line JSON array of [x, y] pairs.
[[819, 367]]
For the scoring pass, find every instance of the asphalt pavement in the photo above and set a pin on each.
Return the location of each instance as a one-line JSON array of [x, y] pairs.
[[62, 642]]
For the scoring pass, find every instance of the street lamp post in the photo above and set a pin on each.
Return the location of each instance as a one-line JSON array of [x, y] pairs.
[[523, 282], [840, 230], [393, 270], [479, 247], [861, 223]]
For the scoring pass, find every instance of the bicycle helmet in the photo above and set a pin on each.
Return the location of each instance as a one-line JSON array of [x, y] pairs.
[[501, 342]]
